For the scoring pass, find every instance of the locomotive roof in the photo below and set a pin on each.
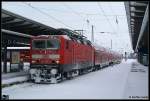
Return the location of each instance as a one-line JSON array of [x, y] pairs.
[[100, 48], [70, 33], [47, 36]]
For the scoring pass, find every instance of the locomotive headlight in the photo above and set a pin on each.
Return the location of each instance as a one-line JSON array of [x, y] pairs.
[[21, 60], [57, 61], [33, 61], [54, 71]]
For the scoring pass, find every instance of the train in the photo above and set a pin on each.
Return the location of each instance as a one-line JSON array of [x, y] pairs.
[[64, 55], [25, 56]]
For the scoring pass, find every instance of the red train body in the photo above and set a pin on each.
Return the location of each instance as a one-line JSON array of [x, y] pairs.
[[55, 57], [25, 56]]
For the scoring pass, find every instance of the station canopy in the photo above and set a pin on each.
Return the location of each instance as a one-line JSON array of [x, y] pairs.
[[138, 20], [17, 23], [18, 29]]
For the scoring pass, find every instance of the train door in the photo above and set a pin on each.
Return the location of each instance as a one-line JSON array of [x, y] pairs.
[[70, 51], [73, 58], [74, 52]]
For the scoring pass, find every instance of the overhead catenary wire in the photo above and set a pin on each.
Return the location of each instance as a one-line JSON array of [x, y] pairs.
[[48, 15], [115, 15], [68, 7], [79, 14], [106, 17]]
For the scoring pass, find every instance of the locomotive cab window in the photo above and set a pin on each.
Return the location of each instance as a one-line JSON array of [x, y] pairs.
[[46, 44], [53, 44], [39, 44]]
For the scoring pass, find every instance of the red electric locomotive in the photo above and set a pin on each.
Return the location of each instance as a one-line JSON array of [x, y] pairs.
[[64, 55], [25, 56]]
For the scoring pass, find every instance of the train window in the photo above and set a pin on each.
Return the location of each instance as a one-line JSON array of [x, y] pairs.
[[39, 44], [46, 44], [53, 44]]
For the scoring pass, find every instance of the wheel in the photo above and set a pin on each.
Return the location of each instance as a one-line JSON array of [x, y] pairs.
[[69, 75]]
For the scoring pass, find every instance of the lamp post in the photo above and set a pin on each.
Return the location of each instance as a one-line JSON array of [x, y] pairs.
[[92, 37], [88, 25], [111, 43]]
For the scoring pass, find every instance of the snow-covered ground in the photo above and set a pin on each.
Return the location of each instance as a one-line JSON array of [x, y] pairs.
[[15, 79], [113, 82], [137, 83], [14, 74]]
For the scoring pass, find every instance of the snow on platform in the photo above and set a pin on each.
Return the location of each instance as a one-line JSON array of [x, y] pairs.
[[14, 74], [13, 77], [137, 83], [113, 82], [15, 80]]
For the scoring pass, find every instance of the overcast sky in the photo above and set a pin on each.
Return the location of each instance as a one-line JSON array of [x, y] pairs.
[[108, 17]]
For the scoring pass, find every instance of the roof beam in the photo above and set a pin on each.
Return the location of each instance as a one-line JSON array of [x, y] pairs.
[[137, 4], [13, 23], [133, 9], [20, 26], [127, 7], [16, 33], [144, 23], [7, 19]]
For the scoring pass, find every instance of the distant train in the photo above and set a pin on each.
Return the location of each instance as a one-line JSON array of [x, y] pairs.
[[64, 55]]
